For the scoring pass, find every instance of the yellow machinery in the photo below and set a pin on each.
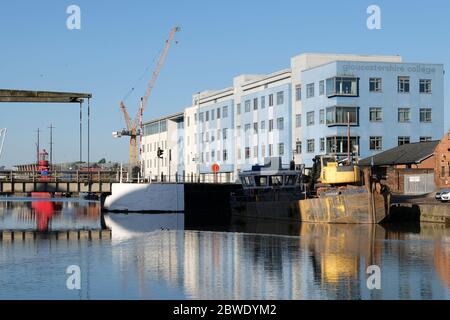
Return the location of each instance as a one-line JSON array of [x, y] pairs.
[[334, 173]]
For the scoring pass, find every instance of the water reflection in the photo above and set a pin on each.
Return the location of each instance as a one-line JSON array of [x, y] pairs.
[[153, 257], [48, 214]]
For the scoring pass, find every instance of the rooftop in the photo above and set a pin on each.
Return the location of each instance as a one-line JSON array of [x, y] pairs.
[[411, 153]]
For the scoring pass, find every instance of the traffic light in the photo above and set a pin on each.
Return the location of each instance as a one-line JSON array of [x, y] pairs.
[[160, 153]]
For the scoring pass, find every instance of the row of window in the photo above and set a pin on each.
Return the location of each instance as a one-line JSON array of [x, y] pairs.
[[256, 151], [154, 146], [260, 102], [349, 86], [205, 136], [376, 142], [339, 144], [345, 115], [210, 115]]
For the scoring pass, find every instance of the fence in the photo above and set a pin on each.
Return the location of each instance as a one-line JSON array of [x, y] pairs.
[[59, 176]]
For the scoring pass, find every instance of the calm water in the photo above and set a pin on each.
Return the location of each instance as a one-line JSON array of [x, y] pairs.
[[153, 257]]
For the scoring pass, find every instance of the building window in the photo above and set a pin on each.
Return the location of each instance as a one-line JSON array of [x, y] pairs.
[[375, 84], [218, 113], [442, 172], [255, 104], [263, 102], [425, 139], [404, 115], [321, 87], [342, 116], [339, 144], [280, 123], [310, 145], [225, 112], [425, 115], [298, 147], [310, 90], [322, 144], [281, 149], [280, 98], [255, 128], [263, 151], [255, 151], [425, 85], [263, 125], [322, 116], [310, 118], [403, 84], [247, 105], [270, 150], [403, 140], [298, 120], [207, 116], [298, 92], [270, 125], [375, 114], [225, 155], [247, 127], [201, 117], [270, 100], [207, 137], [343, 86], [213, 155], [225, 133], [238, 108], [376, 143], [247, 152]]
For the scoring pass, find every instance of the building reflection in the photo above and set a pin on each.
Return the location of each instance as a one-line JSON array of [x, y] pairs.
[[322, 261]]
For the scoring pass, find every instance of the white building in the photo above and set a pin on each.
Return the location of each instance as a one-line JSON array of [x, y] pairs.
[[166, 134], [298, 113]]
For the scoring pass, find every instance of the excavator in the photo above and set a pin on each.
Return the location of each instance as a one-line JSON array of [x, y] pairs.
[[329, 173]]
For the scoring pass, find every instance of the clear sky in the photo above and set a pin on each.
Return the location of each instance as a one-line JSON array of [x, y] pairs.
[[119, 40]]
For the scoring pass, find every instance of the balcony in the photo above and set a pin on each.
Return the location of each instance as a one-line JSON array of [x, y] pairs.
[[343, 87]]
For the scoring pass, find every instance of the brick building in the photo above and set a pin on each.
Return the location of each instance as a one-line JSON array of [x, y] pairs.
[[414, 168]]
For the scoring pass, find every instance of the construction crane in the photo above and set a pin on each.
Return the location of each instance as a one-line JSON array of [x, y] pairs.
[[134, 127]]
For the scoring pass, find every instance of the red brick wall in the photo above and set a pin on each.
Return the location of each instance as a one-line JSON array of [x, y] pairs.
[[442, 160], [395, 177]]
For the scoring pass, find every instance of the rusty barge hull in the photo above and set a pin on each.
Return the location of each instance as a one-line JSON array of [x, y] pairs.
[[357, 208]]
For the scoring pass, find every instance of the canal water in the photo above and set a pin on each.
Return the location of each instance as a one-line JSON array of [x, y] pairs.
[[153, 257]]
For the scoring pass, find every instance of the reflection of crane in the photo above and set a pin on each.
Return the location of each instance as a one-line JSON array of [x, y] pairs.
[[133, 127], [2, 139]]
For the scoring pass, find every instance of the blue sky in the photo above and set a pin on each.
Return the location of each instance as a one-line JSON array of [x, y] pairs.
[[118, 40]]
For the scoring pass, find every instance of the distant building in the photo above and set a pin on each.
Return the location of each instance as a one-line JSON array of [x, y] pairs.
[[298, 113]]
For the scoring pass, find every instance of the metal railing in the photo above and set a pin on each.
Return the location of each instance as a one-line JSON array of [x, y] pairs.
[[220, 178], [60, 176]]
